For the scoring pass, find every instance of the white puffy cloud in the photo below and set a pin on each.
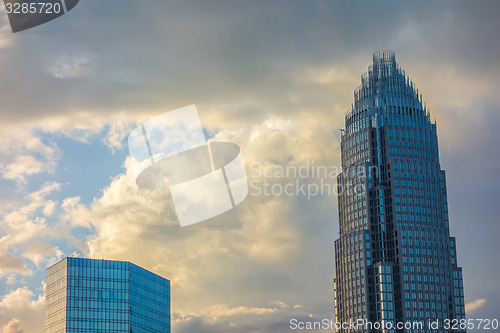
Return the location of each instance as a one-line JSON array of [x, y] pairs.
[[118, 130], [11, 279], [25, 230], [42, 254], [13, 326], [22, 223], [23, 166], [24, 154], [22, 311]]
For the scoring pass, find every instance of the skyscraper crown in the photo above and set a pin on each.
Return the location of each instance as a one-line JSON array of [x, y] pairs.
[[388, 94]]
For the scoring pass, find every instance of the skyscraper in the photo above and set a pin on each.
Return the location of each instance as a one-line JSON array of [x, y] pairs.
[[88, 295], [395, 261]]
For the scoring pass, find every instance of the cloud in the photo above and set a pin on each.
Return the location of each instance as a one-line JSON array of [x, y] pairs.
[[26, 231], [473, 306], [13, 326], [224, 318], [11, 280], [43, 254], [17, 299], [223, 310], [118, 130], [22, 223], [22, 311], [11, 263], [23, 166], [23, 154], [68, 66]]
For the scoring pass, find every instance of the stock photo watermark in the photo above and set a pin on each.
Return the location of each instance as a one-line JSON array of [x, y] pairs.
[[363, 324], [205, 178], [308, 180], [27, 14]]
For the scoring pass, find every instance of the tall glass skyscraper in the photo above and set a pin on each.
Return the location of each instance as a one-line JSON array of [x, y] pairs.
[[88, 295], [395, 260]]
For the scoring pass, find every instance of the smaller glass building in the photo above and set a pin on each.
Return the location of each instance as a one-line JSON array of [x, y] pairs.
[[89, 295]]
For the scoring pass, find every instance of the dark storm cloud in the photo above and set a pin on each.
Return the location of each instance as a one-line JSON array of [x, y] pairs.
[[113, 55]]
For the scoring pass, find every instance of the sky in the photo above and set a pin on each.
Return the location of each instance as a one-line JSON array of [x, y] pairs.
[[275, 77]]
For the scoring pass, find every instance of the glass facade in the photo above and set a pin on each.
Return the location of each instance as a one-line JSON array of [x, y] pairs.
[[88, 295], [395, 261]]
